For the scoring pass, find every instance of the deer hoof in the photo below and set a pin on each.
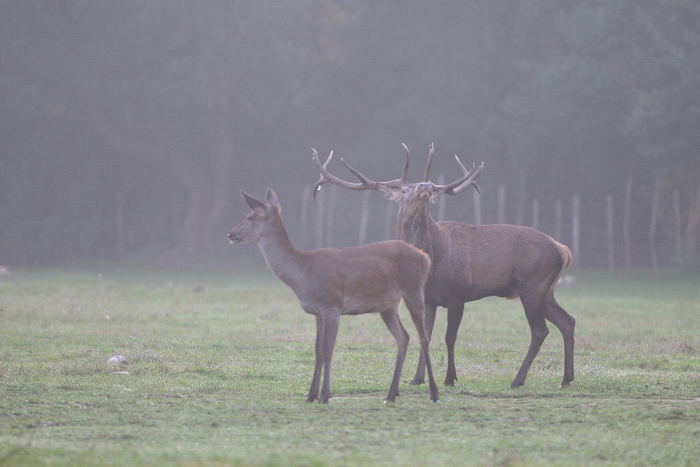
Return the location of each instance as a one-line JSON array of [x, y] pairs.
[[417, 381], [437, 401]]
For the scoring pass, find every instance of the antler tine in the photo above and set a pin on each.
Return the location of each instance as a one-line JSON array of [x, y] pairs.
[[430, 162], [322, 169], [356, 173], [404, 174], [326, 177], [459, 189], [461, 184]]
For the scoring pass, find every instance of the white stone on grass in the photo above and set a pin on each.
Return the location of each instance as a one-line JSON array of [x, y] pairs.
[[117, 360]]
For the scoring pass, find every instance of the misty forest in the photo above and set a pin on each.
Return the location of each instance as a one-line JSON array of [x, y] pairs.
[[128, 128]]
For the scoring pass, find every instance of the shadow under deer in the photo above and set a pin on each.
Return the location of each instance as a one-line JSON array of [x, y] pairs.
[[470, 262]]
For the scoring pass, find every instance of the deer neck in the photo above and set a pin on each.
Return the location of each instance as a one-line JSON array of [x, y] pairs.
[[416, 226], [281, 256]]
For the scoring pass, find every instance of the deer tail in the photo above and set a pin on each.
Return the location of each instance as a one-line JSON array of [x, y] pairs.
[[566, 256]]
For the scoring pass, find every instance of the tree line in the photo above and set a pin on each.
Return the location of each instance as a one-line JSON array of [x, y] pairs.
[[127, 129]]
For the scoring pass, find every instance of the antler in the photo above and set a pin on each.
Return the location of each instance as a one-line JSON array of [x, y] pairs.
[[457, 186], [365, 183], [326, 177], [467, 179], [464, 186], [463, 183]]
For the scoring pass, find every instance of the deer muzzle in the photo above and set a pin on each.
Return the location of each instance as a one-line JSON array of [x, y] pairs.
[[423, 190], [233, 237]]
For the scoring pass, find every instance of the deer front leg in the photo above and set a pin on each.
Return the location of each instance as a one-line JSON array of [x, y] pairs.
[[331, 322], [430, 312], [316, 381], [393, 322], [417, 309], [454, 318]]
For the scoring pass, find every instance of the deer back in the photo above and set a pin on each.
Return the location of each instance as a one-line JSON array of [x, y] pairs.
[[362, 279], [470, 262]]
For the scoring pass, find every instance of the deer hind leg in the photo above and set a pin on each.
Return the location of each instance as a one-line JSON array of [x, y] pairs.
[[331, 323], [454, 318], [393, 322], [430, 312], [534, 312], [565, 323], [416, 306]]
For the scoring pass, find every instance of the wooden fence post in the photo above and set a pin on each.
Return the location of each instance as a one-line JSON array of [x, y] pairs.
[[611, 258], [121, 242], [536, 214], [654, 217], [319, 221], [330, 215], [678, 230], [304, 214], [626, 223], [443, 200], [477, 208], [364, 216], [521, 203], [575, 202], [502, 204], [305, 199], [558, 216]]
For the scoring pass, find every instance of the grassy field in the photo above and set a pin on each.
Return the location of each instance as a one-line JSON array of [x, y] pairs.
[[218, 377]]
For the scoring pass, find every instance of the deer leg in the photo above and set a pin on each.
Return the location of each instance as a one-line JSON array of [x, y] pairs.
[[534, 312], [417, 309], [454, 318], [316, 381], [430, 312], [565, 323], [331, 322], [393, 322]]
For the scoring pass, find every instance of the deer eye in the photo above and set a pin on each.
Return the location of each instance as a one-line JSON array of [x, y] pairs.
[[404, 190]]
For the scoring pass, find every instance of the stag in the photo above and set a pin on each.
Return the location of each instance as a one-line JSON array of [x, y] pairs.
[[330, 282], [469, 262]]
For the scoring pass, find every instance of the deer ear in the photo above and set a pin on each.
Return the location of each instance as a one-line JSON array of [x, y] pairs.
[[254, 203], [388, 193], [272, 199]]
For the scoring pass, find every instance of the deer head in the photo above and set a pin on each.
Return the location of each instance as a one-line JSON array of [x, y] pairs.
[[257, 222]]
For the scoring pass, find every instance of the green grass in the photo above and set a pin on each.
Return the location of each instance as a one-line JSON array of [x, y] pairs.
[[219, 378]]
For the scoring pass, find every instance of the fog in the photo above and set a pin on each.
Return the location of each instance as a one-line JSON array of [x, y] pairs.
[[127, 128]]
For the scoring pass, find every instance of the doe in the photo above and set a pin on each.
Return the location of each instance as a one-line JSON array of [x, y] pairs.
[[330, 282]]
